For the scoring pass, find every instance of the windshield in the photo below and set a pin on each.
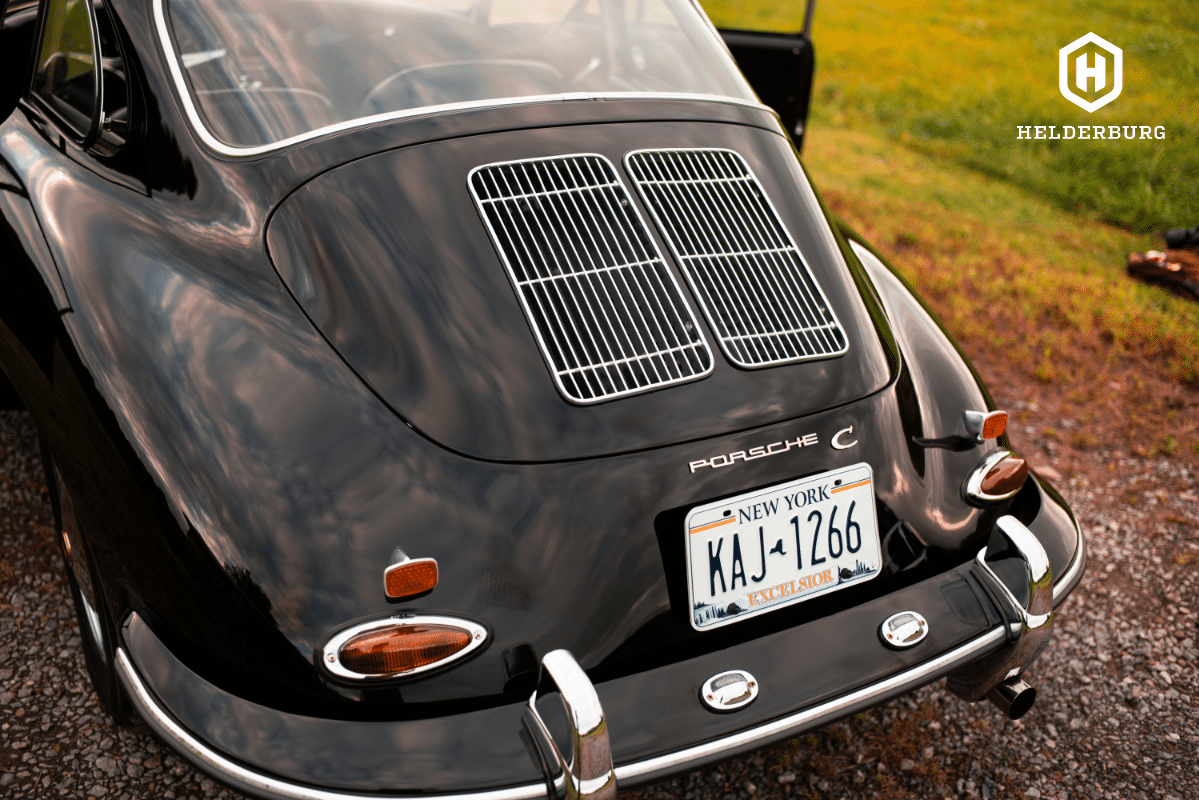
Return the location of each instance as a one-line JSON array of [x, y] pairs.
[[262, 71]]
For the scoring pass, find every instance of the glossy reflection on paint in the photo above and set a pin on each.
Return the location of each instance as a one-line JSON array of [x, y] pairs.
[[245, 461]]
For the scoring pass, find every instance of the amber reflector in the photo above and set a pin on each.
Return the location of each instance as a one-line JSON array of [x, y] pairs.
[[994, 425], [1005, 478], [411, 577], [401, 648]]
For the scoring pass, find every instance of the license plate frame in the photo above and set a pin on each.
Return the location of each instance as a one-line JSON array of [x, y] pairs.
[[799, 519]]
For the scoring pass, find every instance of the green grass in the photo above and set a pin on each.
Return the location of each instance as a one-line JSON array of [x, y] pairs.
[[1019, 245], [1003, 267], [953, 80]]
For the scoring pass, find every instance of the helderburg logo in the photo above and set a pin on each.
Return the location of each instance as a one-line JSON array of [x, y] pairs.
[[1090, 74], [1092, 78]]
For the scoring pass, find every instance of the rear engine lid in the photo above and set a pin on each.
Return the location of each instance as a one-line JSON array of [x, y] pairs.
[[402, 261]]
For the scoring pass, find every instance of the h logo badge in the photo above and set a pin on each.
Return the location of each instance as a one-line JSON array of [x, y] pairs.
[[1094, 76], [1097, 72]]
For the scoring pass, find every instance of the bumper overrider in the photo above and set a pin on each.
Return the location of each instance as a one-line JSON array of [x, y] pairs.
[[576, 739]]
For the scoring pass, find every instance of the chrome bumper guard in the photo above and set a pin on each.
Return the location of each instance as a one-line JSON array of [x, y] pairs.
[[974, 667], [1028, 628], [566, 695]]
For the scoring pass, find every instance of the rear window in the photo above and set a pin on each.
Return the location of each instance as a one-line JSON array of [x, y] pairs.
[[264, 71]]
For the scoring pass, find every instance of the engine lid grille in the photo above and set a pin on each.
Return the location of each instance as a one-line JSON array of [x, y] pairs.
[[608, 315], [752, 283]]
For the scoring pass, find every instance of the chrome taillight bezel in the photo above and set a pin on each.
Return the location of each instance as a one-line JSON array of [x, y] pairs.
[[330, 657], [972, 489]]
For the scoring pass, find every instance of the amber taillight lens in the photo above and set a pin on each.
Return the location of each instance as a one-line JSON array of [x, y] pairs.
[[410, 577], [401, 648], [1005, 478], [997, 477], [994, 425]]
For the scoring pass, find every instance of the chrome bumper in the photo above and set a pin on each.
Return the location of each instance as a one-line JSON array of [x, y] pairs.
[[1029, 628], [574, 751], [1026, 633], [588, 773], [589, 758]]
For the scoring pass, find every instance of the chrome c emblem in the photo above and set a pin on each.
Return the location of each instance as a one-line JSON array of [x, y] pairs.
[[838, 444]]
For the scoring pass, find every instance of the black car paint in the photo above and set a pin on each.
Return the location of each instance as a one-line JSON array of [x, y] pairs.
[[242, 488], [407, 286], [651, 711]]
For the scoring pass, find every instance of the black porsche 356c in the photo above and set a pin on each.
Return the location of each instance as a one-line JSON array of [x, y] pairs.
[[473, 397]]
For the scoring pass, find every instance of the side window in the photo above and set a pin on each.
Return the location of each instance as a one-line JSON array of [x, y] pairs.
[[76, 37], [65, 77], [115, 121], [18, 28]]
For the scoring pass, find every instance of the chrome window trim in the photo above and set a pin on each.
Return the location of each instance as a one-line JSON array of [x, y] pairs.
[[702, 296], [87, 138], [171, 56], [331, 656]]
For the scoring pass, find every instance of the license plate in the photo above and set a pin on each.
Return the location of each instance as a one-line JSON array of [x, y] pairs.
[[775, 547]]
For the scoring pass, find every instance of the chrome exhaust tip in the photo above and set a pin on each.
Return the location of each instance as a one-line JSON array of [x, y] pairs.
[[1013, 697]]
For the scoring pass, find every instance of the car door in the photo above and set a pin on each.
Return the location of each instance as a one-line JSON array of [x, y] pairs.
[[49, 51], [780, 68]]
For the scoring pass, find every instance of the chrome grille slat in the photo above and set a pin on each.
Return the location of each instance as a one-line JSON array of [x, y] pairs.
[[744, 247], [781, 297], [774, 265], [704, 237], [608, 315], [805, 305], [727, 274], [774, 333], [752, 283], [758, 252]]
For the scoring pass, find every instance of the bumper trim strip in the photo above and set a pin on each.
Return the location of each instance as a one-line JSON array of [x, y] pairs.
[[810, 718], [246, 780], [258, 784]]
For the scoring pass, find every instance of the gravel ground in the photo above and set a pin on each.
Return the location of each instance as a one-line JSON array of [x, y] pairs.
[[1117, 715]]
